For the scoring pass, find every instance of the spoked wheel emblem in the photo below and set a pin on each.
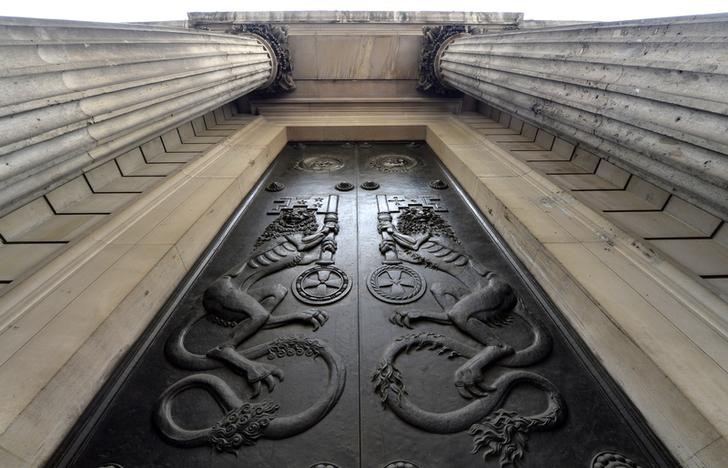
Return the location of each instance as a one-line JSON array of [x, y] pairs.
[[396, 284], [321, 285]]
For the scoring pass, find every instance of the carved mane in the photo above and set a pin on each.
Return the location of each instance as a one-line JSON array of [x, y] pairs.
[[418, 220], [298, 220]]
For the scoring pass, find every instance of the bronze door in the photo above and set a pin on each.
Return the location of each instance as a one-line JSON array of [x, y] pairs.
[[357, 312]]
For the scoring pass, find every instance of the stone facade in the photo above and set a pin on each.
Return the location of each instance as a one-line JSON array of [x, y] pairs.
[[101, 98]]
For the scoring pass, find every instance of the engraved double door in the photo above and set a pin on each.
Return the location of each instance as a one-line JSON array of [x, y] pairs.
[[357, 313]]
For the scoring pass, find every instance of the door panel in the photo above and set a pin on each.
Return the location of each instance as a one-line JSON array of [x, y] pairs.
[[359, 313]]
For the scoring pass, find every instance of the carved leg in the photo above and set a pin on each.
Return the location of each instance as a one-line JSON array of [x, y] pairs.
[[269, 296], [403, 318], [469, 376], [447, 296], [225, 298], [315, 317], [255, 372]]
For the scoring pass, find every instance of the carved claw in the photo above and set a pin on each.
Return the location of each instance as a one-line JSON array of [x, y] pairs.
[[254, 372], [329, 245], [316, 317], [472, 391], [403, 318], [469, 377], [387, 246], [268, 374], [469, 384]]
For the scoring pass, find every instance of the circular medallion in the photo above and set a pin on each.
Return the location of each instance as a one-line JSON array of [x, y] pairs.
[[400, 464], [324, 465], [612, 460], [321, 163], [344, 186], [275, 186], [369, 185], [320, 285], [393, 163], [438, 184], [396, 284]]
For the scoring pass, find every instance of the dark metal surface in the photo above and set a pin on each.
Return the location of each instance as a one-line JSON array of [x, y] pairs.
[[384, 328]]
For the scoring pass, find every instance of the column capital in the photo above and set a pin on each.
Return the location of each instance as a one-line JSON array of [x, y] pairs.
[[436, 39], [275, 38]]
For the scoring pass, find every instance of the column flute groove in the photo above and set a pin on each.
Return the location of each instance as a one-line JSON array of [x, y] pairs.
[[73, 95], [649, 96]]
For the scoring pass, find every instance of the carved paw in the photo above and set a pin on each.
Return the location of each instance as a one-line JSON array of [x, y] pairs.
[[256, 373], [315, 317], [329, 245], [403, 318], [267, 374], [469, 382]]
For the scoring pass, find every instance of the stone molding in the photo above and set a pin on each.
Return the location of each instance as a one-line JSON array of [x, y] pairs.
[[357, 17], [646, 95], [275, 38]]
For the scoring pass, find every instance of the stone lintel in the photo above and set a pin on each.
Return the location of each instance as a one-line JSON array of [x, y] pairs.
[[363, 17]]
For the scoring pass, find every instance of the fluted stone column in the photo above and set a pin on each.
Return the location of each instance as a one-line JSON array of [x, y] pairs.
[[74, 95], [650, 96]]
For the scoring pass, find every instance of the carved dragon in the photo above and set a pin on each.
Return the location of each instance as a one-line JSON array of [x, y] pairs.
[[233, 301], [478, 307], [245, 422]]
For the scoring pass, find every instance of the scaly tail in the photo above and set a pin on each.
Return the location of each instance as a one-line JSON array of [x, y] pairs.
[[245, 422], [497, 432], [288, 426], [178, 353], [504, 433], [388, 379]]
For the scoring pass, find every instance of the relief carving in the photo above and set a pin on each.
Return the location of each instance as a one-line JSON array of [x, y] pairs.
[[401, 464], [613, 460], [276, 36], [478, 303], [393, 163], [344, 186], [434, 38], [235, 301], [321, 163]]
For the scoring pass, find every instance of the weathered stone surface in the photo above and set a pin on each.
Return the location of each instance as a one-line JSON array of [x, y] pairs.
[[77, 94], [371, 17], [649, 96]]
